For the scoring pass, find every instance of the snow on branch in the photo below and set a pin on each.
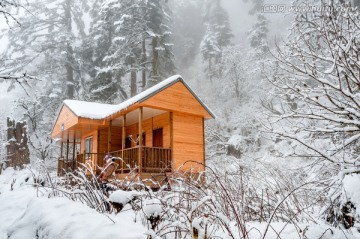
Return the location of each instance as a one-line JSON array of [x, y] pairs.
[[317, 81], [20, 79], [5, 10]]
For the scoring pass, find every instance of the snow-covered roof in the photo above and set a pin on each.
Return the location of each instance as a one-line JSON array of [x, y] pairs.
[[89, 110], [93, 110]]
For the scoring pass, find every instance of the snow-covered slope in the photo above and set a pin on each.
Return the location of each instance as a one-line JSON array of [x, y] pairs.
[[28, 213]]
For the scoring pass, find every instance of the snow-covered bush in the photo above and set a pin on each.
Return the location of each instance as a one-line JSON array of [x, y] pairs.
[[120, 198], [344, 206]]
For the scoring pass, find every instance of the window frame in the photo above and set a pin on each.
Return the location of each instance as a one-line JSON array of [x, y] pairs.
[[89, 141]]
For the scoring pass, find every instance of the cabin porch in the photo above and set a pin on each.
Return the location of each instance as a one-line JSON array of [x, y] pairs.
[[140, 140]]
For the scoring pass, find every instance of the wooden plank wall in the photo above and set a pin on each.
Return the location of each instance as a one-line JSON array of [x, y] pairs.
[[177, 98], [188, 141], [115, 142], [66, 117]]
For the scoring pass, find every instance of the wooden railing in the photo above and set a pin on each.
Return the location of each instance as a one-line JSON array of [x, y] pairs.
[[65, 166], [154, 160]]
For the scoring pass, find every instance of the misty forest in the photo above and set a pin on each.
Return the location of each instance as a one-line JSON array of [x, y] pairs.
[[281, 150]]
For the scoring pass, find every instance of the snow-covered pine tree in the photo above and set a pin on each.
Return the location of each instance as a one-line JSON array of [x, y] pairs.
[[128, 50], [217, 36], [259, 32], [258, 36], [159, 24], [133, 37], [105, 83]]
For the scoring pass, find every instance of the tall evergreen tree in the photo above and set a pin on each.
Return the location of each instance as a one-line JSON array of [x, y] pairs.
[[217, 36], [138, 42], [128, 49], [159, 23], [259, 32], [258, 36], [105, 83]]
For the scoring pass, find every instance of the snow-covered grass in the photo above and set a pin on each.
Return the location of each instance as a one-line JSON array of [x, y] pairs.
[[190, 210], [28, 212]]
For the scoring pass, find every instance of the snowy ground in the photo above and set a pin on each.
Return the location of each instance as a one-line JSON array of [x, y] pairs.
[[26, 212]]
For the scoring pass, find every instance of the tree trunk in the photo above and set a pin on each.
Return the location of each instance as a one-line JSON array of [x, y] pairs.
[[143, 61], [155, 62], [17, 144], [133, 85]]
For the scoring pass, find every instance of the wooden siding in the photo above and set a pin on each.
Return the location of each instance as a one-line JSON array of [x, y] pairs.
[[115, 140], [188, 142], [66, 117], [177, 98]]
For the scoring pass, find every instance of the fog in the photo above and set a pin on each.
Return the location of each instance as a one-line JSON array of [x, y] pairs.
[[239, 17], [241, 21]]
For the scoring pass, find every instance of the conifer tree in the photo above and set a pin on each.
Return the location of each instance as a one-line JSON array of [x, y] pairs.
[[105, 83], [158, 18], [217, 36], [137, 43], [258, 36], [259, 32]]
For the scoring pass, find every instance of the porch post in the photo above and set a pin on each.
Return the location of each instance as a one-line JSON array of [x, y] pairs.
[[61, 150], [109, 137], [73, 155], [67, 150], [73, 149], [203, 128], [140, 138], [123, 141], [171, 142]]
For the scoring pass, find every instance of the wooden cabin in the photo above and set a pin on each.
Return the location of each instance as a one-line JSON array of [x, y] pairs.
[[159, 130]]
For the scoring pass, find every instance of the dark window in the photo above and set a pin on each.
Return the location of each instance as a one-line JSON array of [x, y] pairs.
[[128, 142], [158, 138]]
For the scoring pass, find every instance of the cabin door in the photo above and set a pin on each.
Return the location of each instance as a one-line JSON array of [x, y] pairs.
[[158, 138]]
